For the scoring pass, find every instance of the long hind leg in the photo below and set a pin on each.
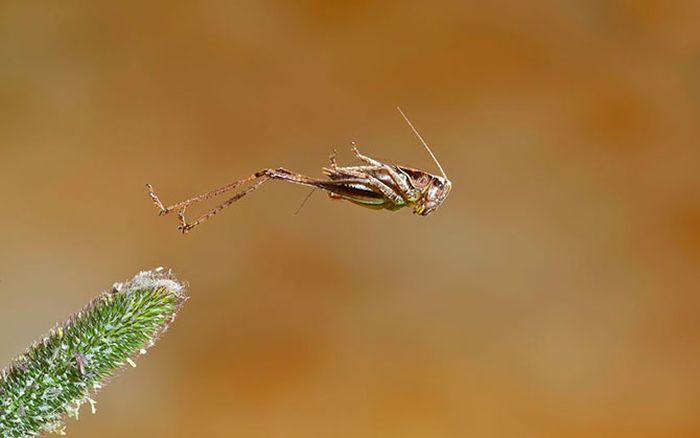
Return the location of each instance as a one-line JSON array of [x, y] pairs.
[[199, 198], [261, 176], [279, 173], [185, 227], [265, 175], [334, 166]]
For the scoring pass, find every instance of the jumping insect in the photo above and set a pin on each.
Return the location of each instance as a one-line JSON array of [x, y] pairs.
[[374, 185]]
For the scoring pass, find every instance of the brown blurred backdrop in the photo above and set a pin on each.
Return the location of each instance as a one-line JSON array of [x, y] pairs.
[[555, 293]]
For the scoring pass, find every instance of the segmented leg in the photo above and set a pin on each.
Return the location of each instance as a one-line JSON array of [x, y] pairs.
[[408, 192], [185, 227], [378, 184], [199, 198], [365, 158], [331, 158], [348, 186], [386, 190], [264, 175]]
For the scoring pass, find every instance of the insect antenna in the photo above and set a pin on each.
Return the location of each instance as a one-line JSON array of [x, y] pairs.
[[304, 201], [415, 131]]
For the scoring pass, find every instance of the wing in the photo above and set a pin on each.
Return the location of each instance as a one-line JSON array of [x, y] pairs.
[[353, 189], [354, 172]]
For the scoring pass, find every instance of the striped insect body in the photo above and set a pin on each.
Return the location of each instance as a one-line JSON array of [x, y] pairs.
[[373, 184]]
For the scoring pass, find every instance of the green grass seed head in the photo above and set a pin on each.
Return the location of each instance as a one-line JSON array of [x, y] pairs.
[[61, 371]]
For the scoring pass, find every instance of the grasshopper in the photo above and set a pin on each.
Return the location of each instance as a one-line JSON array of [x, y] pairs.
[[374, 185]]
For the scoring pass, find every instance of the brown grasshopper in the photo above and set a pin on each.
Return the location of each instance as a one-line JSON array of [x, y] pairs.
[[374, 185]]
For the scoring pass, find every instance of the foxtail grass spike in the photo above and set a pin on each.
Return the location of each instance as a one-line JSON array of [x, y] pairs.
[[63, 370]]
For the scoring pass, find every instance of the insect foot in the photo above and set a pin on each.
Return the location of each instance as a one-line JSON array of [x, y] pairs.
[[156, 200], [184, 227], [331, 158]]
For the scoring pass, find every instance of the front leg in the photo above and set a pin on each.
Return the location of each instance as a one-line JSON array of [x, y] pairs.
[[375, 183], [331, 158], [409, 193], [387, 191], [365, 158]]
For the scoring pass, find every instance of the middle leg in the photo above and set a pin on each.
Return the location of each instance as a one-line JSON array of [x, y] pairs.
[[377, 184], [409, 192]]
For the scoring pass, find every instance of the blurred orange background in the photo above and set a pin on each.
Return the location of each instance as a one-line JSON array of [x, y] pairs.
[[555, 293]]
